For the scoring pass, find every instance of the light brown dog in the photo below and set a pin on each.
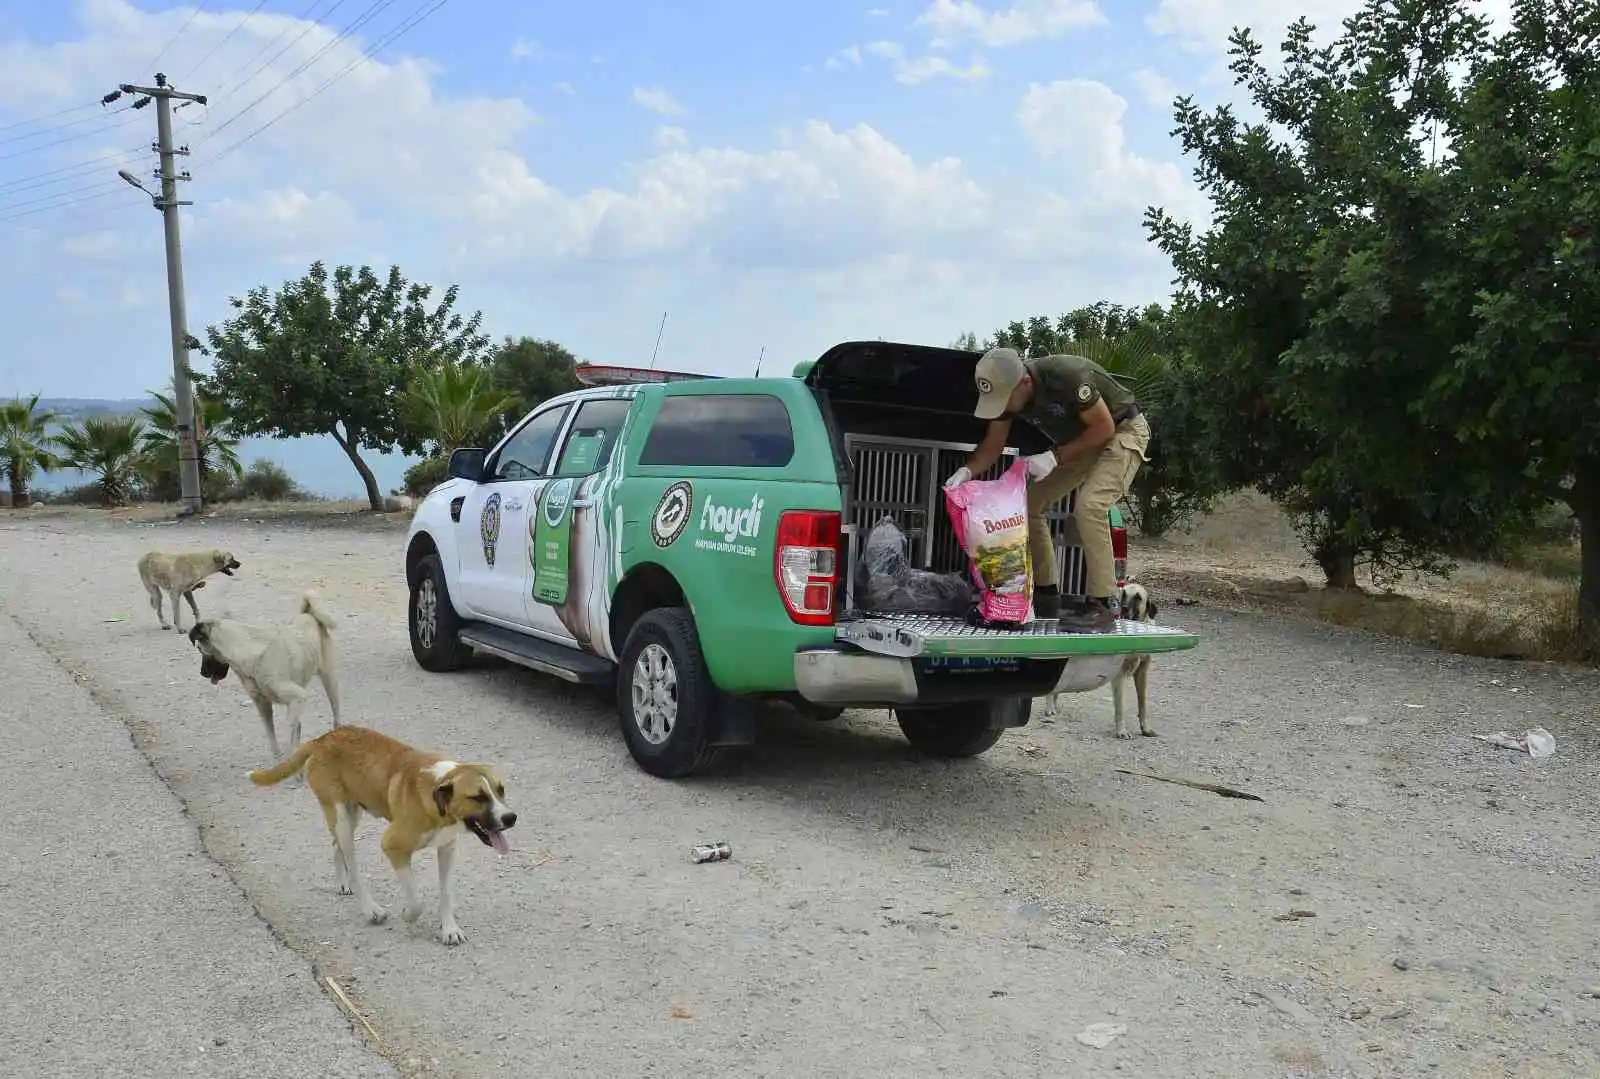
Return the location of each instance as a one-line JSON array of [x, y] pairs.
[[181, 574], [427, 800]]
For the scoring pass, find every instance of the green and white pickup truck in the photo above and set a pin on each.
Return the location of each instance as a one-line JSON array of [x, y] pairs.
[[692, 541]]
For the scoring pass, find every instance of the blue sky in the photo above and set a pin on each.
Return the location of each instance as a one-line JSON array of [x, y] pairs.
[[784, 175]]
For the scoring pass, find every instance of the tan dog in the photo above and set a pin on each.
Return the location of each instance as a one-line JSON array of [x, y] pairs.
[[181, 574], [275, 663], [1137, 606], [428, 801]]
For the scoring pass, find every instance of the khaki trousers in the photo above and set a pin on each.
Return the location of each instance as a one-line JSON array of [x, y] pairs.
[[1100, 479]]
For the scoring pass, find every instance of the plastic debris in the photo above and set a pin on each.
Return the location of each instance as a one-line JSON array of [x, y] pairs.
[[1100, 1035], [891, 585], [1536, 742], [711, 852]]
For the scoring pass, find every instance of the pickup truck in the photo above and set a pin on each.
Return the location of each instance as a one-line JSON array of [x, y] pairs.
[[690, 542]]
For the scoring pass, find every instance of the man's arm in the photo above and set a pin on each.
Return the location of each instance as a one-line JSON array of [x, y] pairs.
[[987, 452]]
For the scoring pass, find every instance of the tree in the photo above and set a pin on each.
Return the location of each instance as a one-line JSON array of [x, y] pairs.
[[1144, 348], [218, 447], [533, 369], [453, 404], [107, 447], [332, 354], [1311, 297], [25, 445], [1521, 389]]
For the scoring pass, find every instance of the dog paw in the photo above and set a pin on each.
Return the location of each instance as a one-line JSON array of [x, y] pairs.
[[1124, 734], [452, 935], [345, 889], [1147, 732], [411, 914], [376, 914]]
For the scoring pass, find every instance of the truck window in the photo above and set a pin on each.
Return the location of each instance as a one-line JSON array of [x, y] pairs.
[[524, 456], [592, 435], [749, 430]]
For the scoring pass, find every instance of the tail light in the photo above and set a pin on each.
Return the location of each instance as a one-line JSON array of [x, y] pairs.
[[806, 565], [1119, 546]]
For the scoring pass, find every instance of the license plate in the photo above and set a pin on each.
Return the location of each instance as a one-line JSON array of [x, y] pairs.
[[966, 664]]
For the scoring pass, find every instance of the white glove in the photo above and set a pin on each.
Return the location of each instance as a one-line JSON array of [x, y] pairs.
[[958, 477], [1041, 465]]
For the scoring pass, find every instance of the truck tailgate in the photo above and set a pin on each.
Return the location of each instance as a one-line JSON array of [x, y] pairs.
[[912, 635]]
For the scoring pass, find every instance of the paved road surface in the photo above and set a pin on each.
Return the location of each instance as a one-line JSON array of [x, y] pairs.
[[885, 915]]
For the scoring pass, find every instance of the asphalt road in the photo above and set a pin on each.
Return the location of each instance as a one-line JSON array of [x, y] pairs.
[[883, 915]]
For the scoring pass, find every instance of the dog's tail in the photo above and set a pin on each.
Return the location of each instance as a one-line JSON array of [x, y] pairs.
[[311, 603], [266, 777]]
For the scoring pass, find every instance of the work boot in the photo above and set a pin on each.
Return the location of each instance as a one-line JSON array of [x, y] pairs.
[[1092, 615], [1046, 601]]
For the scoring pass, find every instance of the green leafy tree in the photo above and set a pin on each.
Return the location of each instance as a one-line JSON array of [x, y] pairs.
[[107, 447], [533, 369], [332, 354], [453, 404], [25, 445], [1521, 390], [1311, 298], [1143, 347], [215, 441]]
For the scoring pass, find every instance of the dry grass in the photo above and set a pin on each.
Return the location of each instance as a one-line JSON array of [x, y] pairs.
[[1246, 554]]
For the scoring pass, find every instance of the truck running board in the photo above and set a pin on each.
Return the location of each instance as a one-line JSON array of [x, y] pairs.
[[582, 668]]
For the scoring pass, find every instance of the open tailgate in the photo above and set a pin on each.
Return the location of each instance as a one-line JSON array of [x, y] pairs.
[[910, 636]]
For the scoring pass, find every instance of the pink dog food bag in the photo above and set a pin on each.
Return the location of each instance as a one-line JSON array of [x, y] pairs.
[[990, 518]]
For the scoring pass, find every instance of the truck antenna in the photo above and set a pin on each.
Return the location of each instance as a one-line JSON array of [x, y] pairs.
[[659, 332], [758, 360]]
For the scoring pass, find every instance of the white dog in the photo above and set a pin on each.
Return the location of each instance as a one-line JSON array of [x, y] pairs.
[[1137, 606], [275, 663], [181, 574]]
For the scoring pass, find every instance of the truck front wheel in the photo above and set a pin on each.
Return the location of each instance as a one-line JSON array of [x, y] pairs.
[[433, 620], [960, 730], [665, 695]]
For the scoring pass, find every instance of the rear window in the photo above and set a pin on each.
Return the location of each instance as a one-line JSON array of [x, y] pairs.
[[721, 430]]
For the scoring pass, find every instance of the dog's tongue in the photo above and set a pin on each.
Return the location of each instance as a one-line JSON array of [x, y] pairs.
[[497, 840]]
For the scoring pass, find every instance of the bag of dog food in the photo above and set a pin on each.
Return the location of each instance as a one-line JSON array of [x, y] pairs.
[[990, 518]]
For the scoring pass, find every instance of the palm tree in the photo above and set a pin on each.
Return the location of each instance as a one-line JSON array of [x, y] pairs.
[[215, 441], [452, 403], [25, 445], [107, 446]]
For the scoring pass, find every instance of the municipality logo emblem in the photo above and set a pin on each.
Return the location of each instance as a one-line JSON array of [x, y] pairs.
[[985, 386], [672, 514]]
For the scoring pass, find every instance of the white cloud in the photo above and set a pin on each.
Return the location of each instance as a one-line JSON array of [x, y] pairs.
[[526, 50], [1025, 20], [657, 101], [565, 88], [1156, 89], [910, 70], [1204, 25], [1078, 122], [851, 56]]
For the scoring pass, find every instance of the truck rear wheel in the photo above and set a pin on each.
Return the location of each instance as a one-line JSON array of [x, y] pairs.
[[665, 695], [960, 730]]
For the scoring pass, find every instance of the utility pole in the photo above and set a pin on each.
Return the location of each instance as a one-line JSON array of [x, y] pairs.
[[168, 202]]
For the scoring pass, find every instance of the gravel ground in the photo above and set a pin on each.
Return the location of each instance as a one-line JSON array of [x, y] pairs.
[[885, 915]]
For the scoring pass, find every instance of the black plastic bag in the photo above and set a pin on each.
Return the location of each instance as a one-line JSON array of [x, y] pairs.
[[889, 584]]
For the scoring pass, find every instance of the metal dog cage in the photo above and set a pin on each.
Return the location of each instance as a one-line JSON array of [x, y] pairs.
[[901, 478]]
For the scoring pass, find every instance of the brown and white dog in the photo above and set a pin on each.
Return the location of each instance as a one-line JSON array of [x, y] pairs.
[[274, 663], [181, 574], [429, 801], [1137, 606]]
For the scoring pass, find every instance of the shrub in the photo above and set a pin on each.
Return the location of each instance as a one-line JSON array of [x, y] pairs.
[[425, 475], [266, 481]]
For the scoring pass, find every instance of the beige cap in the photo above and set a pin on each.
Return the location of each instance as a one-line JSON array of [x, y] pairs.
[[997, 374]]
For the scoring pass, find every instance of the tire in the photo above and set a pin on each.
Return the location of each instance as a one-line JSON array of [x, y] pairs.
[[432, 621], [665, 695], [958, 730]]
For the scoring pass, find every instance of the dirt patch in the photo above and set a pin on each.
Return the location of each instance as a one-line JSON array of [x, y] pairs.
[[1246, 556]]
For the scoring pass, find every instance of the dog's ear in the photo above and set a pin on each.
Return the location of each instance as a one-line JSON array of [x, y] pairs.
[[197, 633], [442, 795], [1149, 608]]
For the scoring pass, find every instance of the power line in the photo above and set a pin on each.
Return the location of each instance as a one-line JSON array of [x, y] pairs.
[[96, 162], [311, 24], [46, 116], [72, 138], [394, 35], [98, 185], [62, 205], [151, 66], [225, 39], [372, 10]]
